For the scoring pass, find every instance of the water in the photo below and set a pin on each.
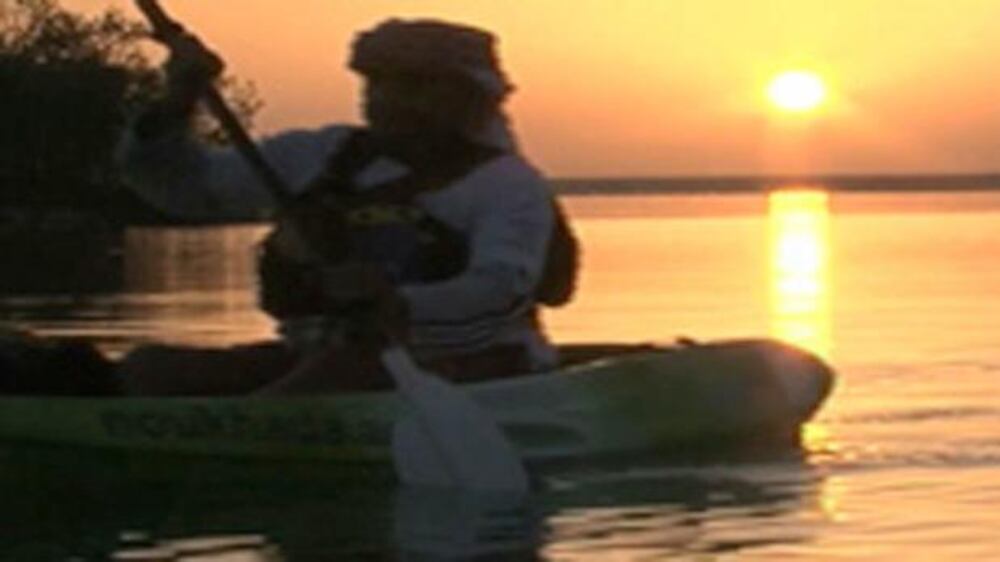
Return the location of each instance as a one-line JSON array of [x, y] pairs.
[[899, 291]]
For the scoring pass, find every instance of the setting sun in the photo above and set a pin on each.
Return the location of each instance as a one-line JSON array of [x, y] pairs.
[[796, 91]]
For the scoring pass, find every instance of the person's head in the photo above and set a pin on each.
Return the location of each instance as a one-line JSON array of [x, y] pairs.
[[427, 77]]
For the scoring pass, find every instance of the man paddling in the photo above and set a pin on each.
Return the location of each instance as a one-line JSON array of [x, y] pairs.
[[426, 224]]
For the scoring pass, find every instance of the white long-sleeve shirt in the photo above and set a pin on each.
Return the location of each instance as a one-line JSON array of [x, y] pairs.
[[502, 208]]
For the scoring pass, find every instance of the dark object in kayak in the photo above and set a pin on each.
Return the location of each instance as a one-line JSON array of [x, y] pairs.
[[32, 366]]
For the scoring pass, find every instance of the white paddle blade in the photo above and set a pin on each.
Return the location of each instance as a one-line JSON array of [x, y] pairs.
[[448, 440]]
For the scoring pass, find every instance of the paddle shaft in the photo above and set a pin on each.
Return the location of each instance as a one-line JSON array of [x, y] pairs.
[[166, 30]]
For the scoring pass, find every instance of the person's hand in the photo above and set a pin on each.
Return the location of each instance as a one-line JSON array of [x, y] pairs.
[[306, 233], [385, 310], [190, 69], [288, 240]]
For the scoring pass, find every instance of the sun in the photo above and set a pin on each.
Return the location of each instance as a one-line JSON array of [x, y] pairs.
[[796, 91]]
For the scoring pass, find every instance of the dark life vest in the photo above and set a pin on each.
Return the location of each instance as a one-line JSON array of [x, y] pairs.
[[383, 224], [557, 283]]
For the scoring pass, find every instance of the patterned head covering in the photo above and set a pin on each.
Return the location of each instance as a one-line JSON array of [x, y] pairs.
[[431, 47]]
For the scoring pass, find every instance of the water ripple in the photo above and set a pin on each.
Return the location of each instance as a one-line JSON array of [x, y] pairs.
[[919, 415]]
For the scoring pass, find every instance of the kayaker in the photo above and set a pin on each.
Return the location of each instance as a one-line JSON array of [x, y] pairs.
[[427, 223]]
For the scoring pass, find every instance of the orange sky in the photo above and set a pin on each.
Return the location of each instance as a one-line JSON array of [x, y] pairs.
[[657, 87]]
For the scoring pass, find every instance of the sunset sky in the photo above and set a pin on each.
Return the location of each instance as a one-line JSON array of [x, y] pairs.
[[665, 87]]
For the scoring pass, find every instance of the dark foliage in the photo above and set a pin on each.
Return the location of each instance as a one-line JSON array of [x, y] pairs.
[[68, 84]]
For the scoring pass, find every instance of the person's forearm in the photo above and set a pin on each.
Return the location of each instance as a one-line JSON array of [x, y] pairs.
[[180, 176], [477, 293]]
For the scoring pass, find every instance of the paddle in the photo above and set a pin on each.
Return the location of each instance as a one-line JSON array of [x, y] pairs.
[[166, 30], [448, 440]]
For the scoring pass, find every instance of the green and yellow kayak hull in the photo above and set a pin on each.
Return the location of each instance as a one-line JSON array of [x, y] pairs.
[[641, 401]]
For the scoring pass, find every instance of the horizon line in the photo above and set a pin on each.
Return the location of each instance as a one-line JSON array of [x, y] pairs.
[[770, 182]]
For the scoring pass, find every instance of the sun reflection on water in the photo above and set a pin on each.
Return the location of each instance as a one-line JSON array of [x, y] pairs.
[[800, 246]]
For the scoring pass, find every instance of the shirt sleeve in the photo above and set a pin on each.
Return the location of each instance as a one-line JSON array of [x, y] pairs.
[[510, 222], [187, 179]]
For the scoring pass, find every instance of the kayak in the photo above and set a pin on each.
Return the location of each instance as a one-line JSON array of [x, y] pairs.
[[607, 400]]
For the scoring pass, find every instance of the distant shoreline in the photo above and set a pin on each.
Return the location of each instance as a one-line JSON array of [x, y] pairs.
[[901, 183]]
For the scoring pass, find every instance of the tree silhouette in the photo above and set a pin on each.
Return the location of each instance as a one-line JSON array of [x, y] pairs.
[[68, 84]]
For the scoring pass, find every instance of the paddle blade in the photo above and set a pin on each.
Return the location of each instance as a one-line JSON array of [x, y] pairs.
[[447, 439]]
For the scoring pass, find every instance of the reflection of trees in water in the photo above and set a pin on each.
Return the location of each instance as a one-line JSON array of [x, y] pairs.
[[80, 504], [190, 285], [179, 259], [194, 285], [53, 251]]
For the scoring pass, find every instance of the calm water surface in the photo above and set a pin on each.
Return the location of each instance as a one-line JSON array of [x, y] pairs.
[[900, 292]]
